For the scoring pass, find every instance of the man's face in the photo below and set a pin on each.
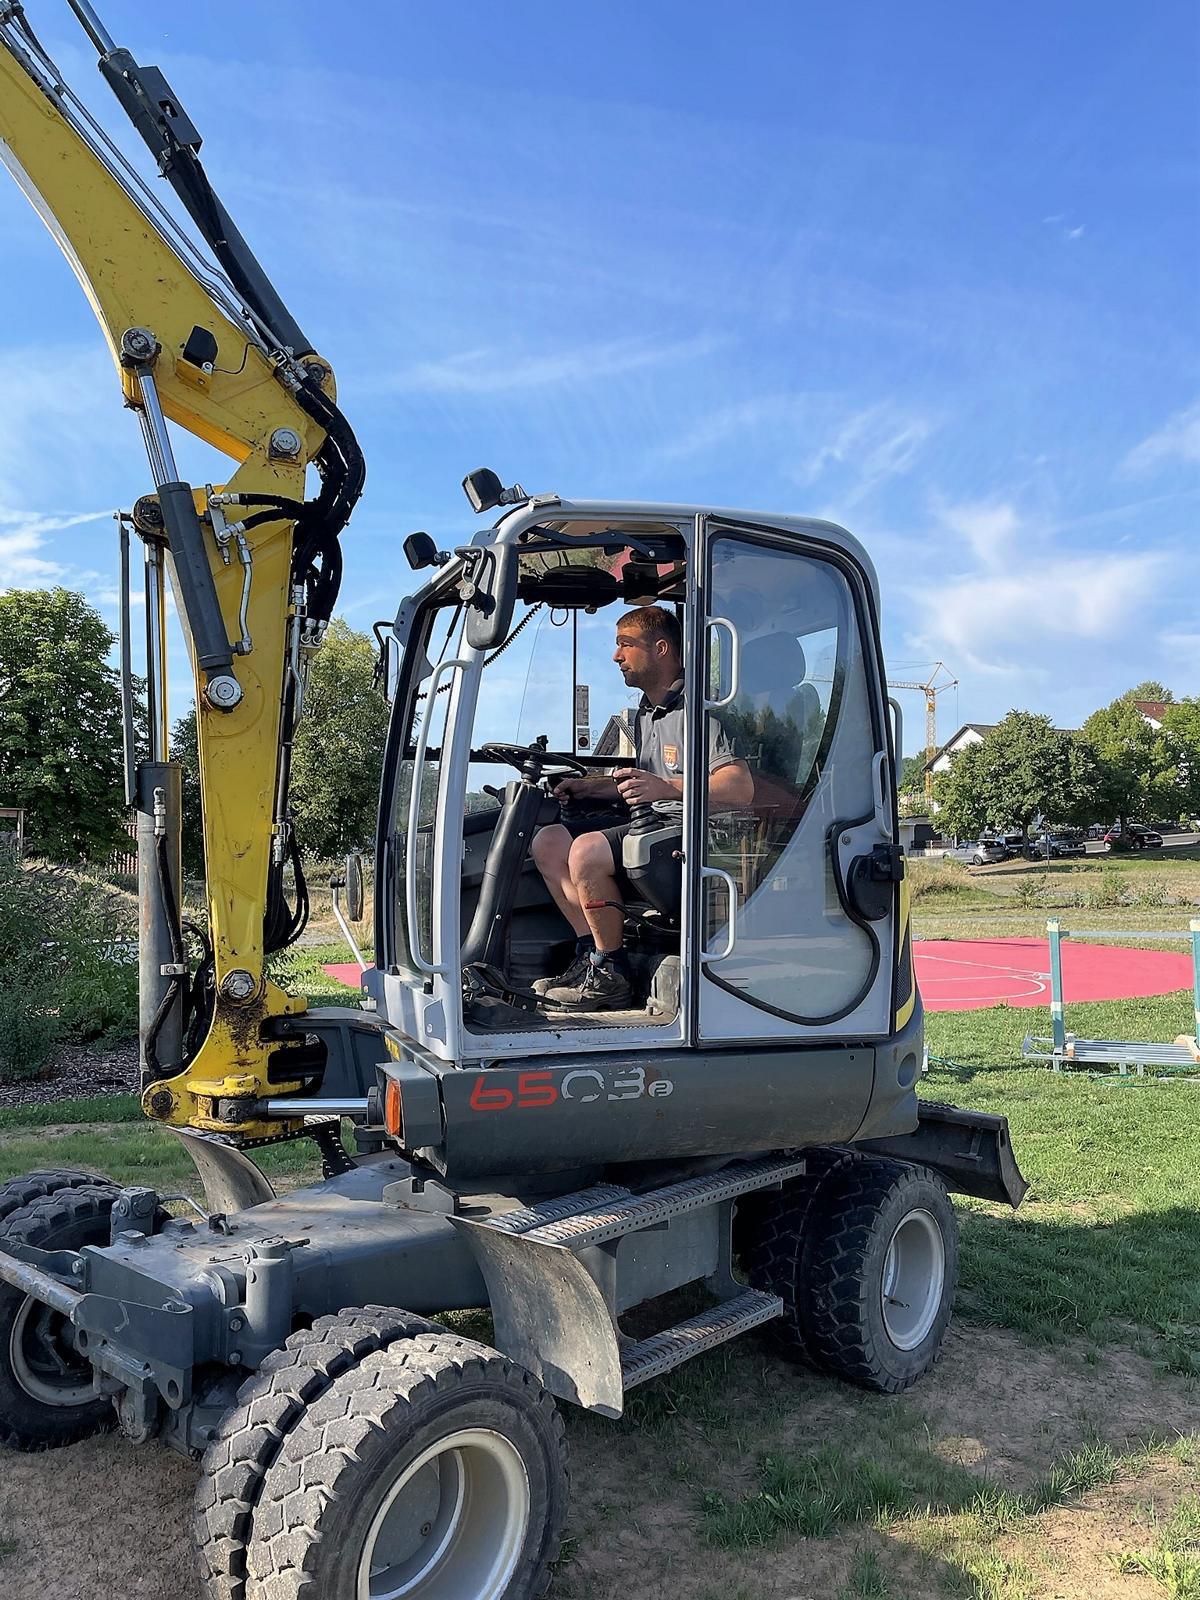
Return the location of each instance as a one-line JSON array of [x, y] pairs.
[[636, 657]]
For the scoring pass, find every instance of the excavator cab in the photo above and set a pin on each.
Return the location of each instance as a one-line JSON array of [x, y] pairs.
[[777, 920]]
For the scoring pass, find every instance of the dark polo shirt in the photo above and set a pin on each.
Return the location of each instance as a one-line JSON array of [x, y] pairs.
[[658, 736]]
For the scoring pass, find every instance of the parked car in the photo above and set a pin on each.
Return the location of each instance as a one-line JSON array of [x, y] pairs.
[[1135, 838], [1051, 846], [982, 853], [1167, 827], [1097, 830]]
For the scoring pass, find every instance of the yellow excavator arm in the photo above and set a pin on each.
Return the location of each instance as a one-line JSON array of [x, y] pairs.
[[212, 349]]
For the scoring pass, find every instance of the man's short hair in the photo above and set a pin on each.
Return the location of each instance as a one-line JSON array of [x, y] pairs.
[[658, 623]]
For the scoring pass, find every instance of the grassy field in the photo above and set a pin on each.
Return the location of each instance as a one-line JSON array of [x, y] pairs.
[[1054, 1454]]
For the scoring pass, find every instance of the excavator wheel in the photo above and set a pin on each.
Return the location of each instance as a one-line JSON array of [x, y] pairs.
[[18, 1192], [432, 1468], [46, 1393], [864, 1254]]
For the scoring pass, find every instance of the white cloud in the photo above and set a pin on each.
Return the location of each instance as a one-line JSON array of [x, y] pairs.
[[990, 530], [1177, 440], [490, 371], [23, 538], [1020, 620]]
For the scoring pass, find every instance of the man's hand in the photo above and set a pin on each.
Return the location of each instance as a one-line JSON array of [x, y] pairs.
[[570, 788], [638, 788]]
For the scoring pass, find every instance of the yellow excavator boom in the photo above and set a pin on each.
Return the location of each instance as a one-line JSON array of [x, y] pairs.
[[215, 353]]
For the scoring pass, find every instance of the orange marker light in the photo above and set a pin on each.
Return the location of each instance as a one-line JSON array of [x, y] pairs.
[[393, 1109]]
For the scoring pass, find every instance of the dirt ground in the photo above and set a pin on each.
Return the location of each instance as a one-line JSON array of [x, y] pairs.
[[108, 1521]]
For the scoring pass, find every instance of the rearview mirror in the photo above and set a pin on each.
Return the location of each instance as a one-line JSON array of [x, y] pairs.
[[355, 893]]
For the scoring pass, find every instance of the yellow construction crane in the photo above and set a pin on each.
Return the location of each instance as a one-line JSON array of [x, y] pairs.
[[930, 687]]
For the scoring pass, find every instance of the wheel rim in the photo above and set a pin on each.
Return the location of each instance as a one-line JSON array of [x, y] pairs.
[[42, 1359], [914, 1276], [452, 1526]]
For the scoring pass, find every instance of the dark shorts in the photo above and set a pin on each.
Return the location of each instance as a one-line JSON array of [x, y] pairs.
[[613, 825]]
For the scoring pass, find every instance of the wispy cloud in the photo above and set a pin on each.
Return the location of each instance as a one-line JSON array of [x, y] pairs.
[[491, 371], [1012, 599], [22, 540], [1177, 440], [872, 445]]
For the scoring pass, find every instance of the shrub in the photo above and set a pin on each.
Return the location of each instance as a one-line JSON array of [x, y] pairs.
[[68, 969], [1028, 892], [1107, 890], [1153, 893], [936, 878]]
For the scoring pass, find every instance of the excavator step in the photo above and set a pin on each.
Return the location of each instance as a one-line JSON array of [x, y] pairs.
[[609, 1219], [673, 1346]]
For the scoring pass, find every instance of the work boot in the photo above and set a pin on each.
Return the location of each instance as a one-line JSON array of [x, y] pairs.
[[573, 973], [603, 986]]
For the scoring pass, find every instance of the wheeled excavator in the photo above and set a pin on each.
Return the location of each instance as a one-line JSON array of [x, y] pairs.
[[741, 1146]]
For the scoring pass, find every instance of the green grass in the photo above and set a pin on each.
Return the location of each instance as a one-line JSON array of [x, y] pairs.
[[1173, 1559], [814, 1496], [299, 970], [137, 1153], [92, 1108], [1108, 1240]]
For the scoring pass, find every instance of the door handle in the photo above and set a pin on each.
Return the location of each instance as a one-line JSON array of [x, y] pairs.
[[735, 651], [731, 930]]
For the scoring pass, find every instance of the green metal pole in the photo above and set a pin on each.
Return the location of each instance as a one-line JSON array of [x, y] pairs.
[[1195, 927], [1057, 1021]]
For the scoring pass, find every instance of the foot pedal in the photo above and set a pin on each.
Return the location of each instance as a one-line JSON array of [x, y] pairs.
[[673, 1346], [481, 981]]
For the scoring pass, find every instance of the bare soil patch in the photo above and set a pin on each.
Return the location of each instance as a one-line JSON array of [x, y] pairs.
[[107, 1520]]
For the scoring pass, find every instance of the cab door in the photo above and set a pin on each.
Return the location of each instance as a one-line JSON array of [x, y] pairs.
[[796, 900]]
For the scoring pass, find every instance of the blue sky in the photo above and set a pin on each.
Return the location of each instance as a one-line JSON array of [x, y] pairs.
[[930, 270]]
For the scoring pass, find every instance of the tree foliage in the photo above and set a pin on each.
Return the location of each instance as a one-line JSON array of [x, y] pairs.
[[60, 724], [1022, 770], [1136, 765], [338, 755], [1149, 689], [1181, 723]]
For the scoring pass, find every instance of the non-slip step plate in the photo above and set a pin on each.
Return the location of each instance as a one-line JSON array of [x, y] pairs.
[[662, 1351]]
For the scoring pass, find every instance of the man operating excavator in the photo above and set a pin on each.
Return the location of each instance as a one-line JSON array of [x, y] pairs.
[[581, 862]]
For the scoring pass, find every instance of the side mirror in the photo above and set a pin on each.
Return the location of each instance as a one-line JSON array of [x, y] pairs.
[[420, 551], [355, 892], [483, 489]]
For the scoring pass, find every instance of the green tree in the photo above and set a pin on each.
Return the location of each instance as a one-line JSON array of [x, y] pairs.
[[184, 749], [1151, 689], [1136, 769], [60, 724], [912, 775], [1022, 770], [338, 754], [1181, 724]]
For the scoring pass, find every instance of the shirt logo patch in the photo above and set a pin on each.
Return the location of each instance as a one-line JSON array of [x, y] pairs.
[[671, 756]]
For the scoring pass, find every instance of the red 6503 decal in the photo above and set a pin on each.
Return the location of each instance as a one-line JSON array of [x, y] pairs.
[[580, 1086]]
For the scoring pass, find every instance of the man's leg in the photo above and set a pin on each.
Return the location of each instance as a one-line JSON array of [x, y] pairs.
[[551, 851], [593, 877]]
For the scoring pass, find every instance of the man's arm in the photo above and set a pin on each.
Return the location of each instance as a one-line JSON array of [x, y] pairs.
[[600, 787], [731, 787]]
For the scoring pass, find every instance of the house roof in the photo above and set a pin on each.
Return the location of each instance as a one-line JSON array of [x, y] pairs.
[[608, 744], [982, 729], [1153, 709]]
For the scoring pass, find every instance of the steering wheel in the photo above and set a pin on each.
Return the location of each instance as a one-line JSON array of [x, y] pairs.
[[531, 759]]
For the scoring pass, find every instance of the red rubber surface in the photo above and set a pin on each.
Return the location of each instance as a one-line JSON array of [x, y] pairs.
[[966, 974], [347, 972]]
